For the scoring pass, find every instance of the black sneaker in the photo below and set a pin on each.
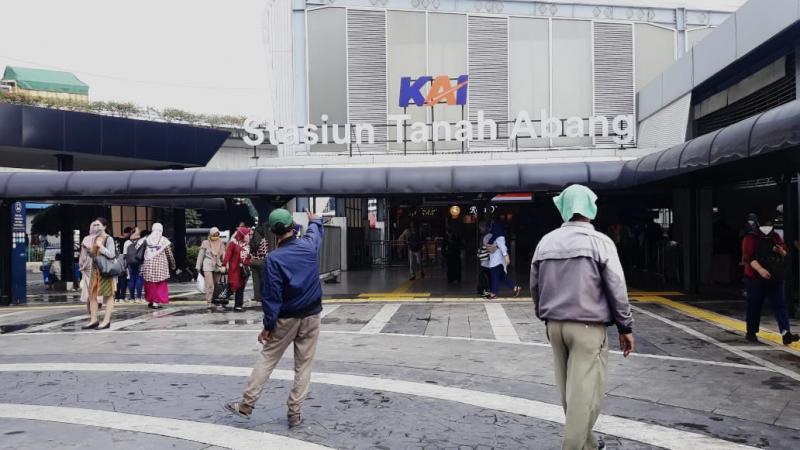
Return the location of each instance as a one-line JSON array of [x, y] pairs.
[[601, 444], [788, 338], [751, 338]]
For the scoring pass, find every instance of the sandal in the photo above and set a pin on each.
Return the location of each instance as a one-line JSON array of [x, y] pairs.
[[235, 408]]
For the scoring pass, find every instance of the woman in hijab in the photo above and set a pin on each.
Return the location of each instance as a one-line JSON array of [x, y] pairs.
[[498, 261], [237, 260], [158, 261], [98, 244], [209, 263]]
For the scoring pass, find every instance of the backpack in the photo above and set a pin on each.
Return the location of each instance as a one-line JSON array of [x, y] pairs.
[[135, 254], [774, 263]]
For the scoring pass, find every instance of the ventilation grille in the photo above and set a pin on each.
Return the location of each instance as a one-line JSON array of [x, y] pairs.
[[488, 75], [775, 94], [613, 74], [366, 73], [666, 127]]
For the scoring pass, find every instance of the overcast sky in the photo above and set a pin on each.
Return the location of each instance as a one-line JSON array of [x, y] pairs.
[[199, 55]]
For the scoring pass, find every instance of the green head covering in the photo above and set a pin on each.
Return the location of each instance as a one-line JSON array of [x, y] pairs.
[[576, 199], [280, 220]]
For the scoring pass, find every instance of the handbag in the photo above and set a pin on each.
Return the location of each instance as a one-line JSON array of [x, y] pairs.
[[109, 267], [245, 271], [221, 291]]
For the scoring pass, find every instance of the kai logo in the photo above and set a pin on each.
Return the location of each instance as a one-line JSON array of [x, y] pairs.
[[442, 90]]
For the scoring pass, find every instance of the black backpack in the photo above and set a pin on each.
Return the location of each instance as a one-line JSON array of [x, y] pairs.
[[135, 254], [774, 263]]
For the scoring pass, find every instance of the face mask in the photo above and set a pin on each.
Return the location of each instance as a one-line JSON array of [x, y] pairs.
[[751, 223], [765, 230], [214, 238], [96, 229]]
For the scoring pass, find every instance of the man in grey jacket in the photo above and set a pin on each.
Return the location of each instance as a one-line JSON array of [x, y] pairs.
[[578, 289]]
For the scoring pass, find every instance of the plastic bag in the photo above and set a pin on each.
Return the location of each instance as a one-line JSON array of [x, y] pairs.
[[201, 283]]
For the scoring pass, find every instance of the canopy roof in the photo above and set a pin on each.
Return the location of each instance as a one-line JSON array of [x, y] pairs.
[[46, 80], [760, 146]]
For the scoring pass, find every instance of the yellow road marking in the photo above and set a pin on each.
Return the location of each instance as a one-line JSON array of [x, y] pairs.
[[422, 300], [403, 287], [394, 294], [709, 316]]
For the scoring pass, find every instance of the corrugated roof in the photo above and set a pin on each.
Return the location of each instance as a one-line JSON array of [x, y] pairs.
[[46, 80]]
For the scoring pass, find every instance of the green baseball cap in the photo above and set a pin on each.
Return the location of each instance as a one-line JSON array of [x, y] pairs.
[[281, 216]]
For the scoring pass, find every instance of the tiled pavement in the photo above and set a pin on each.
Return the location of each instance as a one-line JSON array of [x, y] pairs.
[[676, 380]]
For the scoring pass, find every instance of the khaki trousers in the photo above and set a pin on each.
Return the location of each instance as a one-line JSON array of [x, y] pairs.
[[580, 354], [211, 279], [304, 333]]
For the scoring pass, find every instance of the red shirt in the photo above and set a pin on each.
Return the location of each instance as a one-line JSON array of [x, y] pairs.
[[750, 248]]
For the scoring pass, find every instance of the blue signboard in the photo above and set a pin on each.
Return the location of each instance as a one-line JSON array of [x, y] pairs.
[[19, 253]]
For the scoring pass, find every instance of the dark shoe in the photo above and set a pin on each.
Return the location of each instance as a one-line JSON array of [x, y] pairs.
[[294, 420], [412, 278], [90, 326], [788, 338], [151, 306], [751, 338], [238, 309], [238, 409], [601, 444], [105, 327], [517, 290]]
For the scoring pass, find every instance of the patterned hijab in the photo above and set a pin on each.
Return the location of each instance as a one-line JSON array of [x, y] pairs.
[[242, 239]]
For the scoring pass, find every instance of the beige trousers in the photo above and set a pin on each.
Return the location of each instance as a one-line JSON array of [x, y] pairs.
[[211, 279], [580, 354], [304, 333]]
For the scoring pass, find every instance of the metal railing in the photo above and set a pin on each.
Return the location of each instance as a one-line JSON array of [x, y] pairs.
[[385, 253], [330, 255]]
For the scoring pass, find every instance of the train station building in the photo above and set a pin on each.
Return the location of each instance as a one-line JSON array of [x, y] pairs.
[[682, 132]]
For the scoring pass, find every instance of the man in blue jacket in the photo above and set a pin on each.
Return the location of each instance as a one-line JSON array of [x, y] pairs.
[[291, 296]]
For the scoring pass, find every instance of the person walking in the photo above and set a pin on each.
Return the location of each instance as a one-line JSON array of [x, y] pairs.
[[122, 279], [98, 244], [158, 262], [451, 249], [498, 261], [237, 261], [414, 242], [578, 289], [292, 302], [764, 254], [209, 263], [134, 250], [260, 247]]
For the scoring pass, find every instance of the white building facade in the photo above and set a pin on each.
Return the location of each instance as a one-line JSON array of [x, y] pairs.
[[556, 60]]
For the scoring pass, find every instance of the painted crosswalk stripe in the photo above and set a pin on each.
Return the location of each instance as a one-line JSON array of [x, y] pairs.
[[381, 319], [205, 433], [327, 309], [57, 323], [501, 325], [648, 433]]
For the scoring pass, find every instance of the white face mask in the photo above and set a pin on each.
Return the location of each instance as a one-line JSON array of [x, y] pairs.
[[765, 230]]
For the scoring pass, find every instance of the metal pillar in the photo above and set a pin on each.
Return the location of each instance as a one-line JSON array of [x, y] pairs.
[[179, 226], [5, 253], [66, 219]]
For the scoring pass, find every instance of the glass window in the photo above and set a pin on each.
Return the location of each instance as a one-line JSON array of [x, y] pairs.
[[447, 55], [572, 74], [406, 57], [529, 71], [327, 83], [654, 52]]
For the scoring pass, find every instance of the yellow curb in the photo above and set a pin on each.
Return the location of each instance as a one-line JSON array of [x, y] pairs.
[[423, 300], [719, 319], [394, 294], [403, 287], [670, 293]]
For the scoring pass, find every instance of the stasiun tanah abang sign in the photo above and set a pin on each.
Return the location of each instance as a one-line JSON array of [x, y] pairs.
[[442, 91]]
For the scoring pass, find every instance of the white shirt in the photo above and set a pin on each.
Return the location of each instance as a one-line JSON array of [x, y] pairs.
[[496, 257]]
